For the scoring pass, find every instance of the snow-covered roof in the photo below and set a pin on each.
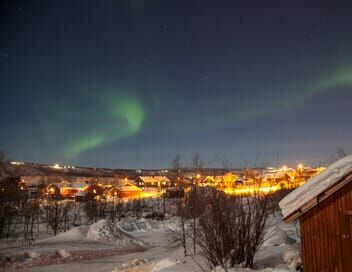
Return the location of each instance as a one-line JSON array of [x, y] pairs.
[[154, 178], [75, 185], [276, 175], [315, 186], [127, 186], [81, 193]]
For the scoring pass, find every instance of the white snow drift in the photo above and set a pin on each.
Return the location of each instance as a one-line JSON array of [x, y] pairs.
[[102, 231]]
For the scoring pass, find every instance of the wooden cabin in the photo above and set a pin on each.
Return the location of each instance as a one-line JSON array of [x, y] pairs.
[[228, 180], [69, 189], [125, 189], [53, 191], [323, 206], [153, 181], [94, 189]]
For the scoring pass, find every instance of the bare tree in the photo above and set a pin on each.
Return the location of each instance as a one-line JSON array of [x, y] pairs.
[[197, 165], [341, 153], [231, 229], [181, 213], [30, 215], [11, 197], [2, 156], [197, 162], [56, 214], [2, 163], [176, 164], [92, 210]]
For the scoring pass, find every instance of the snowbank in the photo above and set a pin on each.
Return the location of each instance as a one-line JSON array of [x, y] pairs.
[[102, 231], [292, 258], [143, 265], [74, 234], [162, 264], [107, 232], [143, 225], [277, 237], [239, 269], [316, 185]]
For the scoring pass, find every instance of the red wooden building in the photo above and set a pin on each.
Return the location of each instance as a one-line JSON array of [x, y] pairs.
[[323, 206]]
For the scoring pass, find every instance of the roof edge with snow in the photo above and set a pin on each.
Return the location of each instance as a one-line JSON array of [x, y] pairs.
[[316, 189]]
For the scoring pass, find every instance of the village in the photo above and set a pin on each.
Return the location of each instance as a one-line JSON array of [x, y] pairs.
[[170, 183]]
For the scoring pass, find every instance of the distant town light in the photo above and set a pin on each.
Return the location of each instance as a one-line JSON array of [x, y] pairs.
[[16, 162], [300, 166], [56, 166], [284, 168]]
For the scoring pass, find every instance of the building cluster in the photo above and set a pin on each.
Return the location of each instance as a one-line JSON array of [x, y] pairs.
[[265, 180], [83, 189]]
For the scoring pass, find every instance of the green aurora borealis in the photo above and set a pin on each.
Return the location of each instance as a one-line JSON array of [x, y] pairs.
[[111, 116], [133, 83], [102, 119]]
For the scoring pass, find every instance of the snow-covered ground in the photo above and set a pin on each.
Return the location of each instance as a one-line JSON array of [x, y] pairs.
[[142, 245]]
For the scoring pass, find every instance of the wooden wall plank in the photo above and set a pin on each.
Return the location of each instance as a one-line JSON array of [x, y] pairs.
[[321, 232]]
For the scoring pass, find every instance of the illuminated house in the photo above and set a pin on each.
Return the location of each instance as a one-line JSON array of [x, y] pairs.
[[125, 189], [69, 189], [277, 177], [94, 189], [152, 181], [227, 180], [53, 191]]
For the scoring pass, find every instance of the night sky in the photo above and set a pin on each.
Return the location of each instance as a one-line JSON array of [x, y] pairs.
[[130, 84]]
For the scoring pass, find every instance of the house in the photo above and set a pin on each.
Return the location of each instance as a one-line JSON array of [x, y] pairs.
[[181, 181], [286, 180], [69, 189], [124, 189], [11, 189], [227, 180], [323, 206], [94, 189], [53, 191], [152, 181]]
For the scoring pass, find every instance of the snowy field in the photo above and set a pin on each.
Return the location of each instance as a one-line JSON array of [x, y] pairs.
[[133, 245]]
